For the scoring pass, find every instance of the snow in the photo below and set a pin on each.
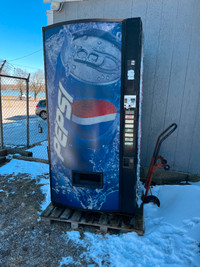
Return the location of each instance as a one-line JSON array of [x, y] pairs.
[[21, 166], [172, 232], [67, 260], [40, 151]]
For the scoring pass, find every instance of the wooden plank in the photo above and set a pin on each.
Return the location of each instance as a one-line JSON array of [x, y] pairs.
[[76, 216], [66, 214], [31, 159], [57, 212], [20, 151], [96, 218], [114, 221], [74, 225], [3, 152], [88, 217], [103, 219], [125, 223], [83, 218], [2, 159], [104, 228], [138, 220], [47, 211]]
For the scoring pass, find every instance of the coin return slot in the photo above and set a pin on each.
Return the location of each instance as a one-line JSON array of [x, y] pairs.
[[89, 180]]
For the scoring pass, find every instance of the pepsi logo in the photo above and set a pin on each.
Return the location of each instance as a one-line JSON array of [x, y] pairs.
[[92, 117]]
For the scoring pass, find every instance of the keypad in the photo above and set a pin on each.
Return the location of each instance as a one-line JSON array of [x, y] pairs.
[[129, 127]]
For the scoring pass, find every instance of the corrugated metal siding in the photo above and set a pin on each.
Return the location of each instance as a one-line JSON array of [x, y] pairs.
[[171, 85]]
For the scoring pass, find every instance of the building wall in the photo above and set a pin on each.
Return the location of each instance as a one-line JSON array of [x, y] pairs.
[[171, 84]]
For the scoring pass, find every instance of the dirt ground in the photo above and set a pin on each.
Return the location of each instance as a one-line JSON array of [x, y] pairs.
[[24, 240]]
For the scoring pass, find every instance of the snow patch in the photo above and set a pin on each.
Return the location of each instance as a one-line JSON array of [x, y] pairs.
[[67, 260], [172, 234]]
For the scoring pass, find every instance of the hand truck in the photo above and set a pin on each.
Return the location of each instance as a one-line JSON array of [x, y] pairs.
[[157, 162]]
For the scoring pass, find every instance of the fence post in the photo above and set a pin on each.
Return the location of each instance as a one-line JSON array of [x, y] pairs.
[[27, 109], [1, 121]]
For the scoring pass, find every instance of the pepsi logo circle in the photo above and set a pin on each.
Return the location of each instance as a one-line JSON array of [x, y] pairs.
[[92, 118]]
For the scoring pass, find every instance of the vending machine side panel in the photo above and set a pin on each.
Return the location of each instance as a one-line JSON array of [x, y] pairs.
[[131, 62]]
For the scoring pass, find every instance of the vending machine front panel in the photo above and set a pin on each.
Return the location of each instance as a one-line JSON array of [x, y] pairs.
[[83, 69]]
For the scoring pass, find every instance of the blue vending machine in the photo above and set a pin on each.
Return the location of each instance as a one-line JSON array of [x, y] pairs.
[[93, 82]]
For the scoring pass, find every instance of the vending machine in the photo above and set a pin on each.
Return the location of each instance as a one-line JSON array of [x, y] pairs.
[[93, 87]]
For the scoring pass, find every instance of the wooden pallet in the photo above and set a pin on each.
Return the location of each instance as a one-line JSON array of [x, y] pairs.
[[102, 221]]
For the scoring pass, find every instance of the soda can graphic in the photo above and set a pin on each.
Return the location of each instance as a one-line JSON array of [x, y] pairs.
[[88, 89], [91, 61]]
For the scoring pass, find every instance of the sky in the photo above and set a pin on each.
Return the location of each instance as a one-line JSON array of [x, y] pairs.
[[21, 25]]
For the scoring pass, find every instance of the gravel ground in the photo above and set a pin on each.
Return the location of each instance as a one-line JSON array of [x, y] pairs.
[[24, 240]]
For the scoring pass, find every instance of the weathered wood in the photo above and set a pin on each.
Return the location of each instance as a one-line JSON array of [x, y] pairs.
[[102, 221], [125, 223], [83, 218], [104, 228], [88, 217], [66, 214], [2, 159], [57, 212], [31, 159], [96, 218], [3, 152], [138, 220], [74, 225], [20, 151], [47, 211], [114, 221], [76, 216]]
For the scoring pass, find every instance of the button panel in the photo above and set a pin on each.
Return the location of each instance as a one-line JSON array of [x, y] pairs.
[[129, 123]]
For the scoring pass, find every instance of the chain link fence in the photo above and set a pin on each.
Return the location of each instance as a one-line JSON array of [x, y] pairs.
[[20, 126]]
